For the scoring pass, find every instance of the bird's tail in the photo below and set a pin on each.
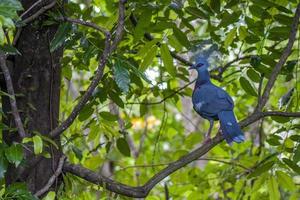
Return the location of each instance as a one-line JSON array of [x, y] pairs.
[[230, 128]]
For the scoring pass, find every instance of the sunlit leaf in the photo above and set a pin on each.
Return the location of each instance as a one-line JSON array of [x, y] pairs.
[[292, 165], [37, 144], [148, 58], [167, 60], [108, 116], [246, 85], [274, 193], [285, 180]]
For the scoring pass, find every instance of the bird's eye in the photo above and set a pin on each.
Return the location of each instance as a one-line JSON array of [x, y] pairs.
[[199, 65]]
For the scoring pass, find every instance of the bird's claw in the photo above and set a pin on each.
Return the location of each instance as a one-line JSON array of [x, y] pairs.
[[207, 140]]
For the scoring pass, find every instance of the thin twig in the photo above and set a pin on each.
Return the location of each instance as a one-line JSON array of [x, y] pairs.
[[52, 178], [30, 8], [165, 98], [39, 12], [12, 96], [98, 75], [88, 24]]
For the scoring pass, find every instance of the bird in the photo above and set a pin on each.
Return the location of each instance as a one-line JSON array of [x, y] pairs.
[[213, 103]]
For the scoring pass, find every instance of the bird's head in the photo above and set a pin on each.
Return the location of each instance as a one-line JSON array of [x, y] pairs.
[[201, 64]]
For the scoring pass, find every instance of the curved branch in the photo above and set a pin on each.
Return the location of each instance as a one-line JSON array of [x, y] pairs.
[[87, 24], [142, 191], [287, 51], [52, 178], [12, 96], [98, 75]]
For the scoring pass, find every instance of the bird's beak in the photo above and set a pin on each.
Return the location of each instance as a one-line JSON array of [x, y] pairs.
[[192, 67]]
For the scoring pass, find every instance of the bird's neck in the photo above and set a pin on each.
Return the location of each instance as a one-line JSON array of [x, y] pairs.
[[203, 77]]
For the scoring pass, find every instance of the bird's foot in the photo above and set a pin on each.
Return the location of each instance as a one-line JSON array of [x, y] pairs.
[[219, 132], [206, 140]]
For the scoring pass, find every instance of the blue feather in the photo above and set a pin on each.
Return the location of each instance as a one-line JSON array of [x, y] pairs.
[[213, 103], [230, 128]]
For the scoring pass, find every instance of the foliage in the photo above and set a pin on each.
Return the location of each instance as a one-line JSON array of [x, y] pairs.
[[136, 136]]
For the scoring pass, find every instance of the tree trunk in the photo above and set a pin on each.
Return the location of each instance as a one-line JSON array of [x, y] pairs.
[[36, 79]]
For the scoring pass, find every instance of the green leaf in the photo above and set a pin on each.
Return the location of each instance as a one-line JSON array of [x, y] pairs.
[[121, 75], [18, 191], [246, 85], [2, 35], [256, 11], [292, 165], [108, 116], [264, 3], [283, 19], [196, 12], [261, 169], [142, 25], [148, 58], [60, 36], [253, 75], [229, 38], [174, 43], [9, 50], [285, 181], [3, 165], [14, 154], [146, 48], [137, 72], [242, 32], [47, 139], [123, 147], [50, 196], [9, 8], [37, 144], [279, 33], [274, 193], [215, 5], [115, 97], [86, 112], [285, 99], [77, 152], [296, 157], [167, 60], [227, 18], [281, 119], [181, 37]]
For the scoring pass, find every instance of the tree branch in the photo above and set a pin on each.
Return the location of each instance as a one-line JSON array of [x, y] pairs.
[[30, 8], [165, 98], [282, 60], [142, 191], [12, 96], [88, 24], [39, 12], [52, 178], [32, 17], [98, 75]]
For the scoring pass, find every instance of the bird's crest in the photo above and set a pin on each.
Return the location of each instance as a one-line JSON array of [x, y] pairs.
[[203, 51]]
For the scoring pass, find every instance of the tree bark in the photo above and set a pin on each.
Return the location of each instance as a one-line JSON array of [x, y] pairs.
[[36, 77]]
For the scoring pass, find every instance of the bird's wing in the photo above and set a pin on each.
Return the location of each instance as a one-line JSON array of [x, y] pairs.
[[210, 100]]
